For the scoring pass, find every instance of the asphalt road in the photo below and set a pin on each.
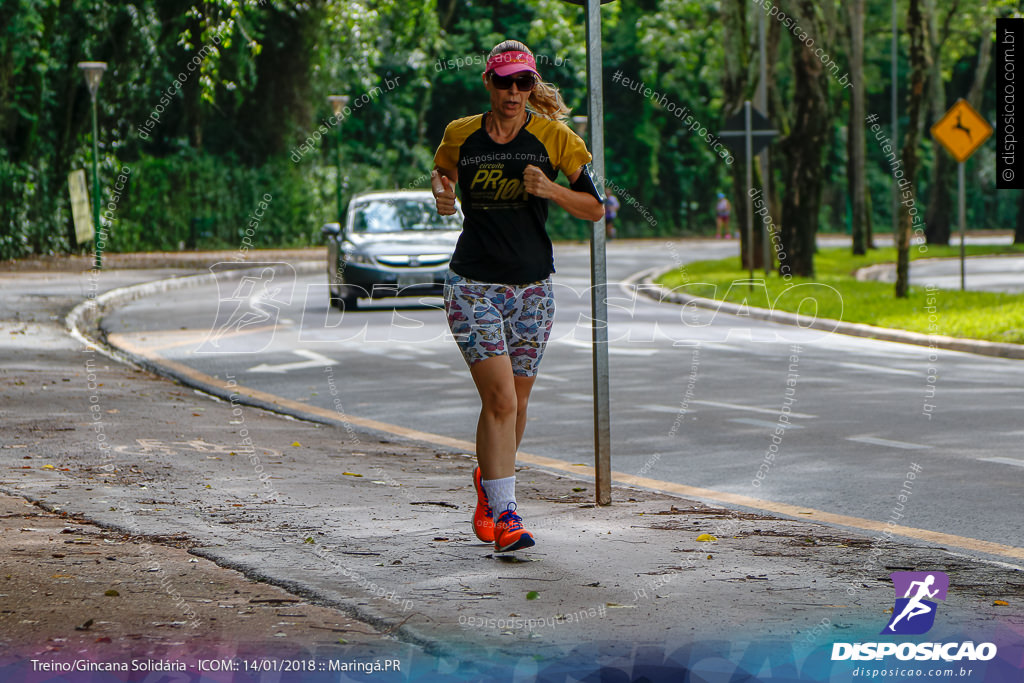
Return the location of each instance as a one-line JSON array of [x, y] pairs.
[[696, 397], [1002, 274]]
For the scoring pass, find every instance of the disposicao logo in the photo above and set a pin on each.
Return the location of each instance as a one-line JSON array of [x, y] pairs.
[[914, 614]]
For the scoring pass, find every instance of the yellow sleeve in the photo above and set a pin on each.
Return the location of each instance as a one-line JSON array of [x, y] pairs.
[[572, 152], [455, 133], [447, 154]]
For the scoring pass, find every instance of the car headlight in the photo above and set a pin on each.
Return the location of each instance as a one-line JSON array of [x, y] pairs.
[[353, 255]]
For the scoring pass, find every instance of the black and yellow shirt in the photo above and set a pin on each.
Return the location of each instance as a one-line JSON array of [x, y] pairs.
[[503, 237]]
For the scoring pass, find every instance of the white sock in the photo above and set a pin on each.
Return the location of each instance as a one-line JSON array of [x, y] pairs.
[[500, 492]]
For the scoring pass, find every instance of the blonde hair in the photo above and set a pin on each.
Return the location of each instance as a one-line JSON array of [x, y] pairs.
[[544, 98]]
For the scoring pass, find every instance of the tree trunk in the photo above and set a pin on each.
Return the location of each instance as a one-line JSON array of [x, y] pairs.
[[736, 82], [802, 149], [856, 179], [938, 215], [919, 65]]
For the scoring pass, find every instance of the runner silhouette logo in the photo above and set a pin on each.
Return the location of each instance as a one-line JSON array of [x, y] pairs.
[[914, 611]]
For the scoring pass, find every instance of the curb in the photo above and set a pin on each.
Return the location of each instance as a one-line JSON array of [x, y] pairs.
[[886, 272], [82, 324], [659, 293]]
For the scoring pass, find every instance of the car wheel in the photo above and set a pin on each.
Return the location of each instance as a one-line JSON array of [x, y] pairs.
[[349, 303]]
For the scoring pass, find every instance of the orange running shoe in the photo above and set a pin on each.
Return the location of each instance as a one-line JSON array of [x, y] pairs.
[[483, 518], [509, 533]]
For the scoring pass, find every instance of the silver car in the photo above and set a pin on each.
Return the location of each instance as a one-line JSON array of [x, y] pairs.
[[394, 243]]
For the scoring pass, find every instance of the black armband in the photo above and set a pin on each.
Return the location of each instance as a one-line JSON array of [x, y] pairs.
[[585, 183]]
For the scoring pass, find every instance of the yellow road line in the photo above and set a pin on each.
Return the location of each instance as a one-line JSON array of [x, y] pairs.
[[184, 337], [973, 544]]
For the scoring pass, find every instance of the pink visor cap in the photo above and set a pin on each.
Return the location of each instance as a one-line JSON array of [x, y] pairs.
[[508, 63]]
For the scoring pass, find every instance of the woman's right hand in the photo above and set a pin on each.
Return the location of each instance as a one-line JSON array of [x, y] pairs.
[[444, 193]]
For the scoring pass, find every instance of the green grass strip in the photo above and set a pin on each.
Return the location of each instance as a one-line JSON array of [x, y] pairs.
[[836, 294]]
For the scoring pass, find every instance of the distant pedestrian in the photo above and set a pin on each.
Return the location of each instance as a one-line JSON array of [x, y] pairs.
[[498, 293], [611, 210], [723, 210]]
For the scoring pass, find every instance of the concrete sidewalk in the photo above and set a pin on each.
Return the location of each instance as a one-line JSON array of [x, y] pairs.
[[371, 527]]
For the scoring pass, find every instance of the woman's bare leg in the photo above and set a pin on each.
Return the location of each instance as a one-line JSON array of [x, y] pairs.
[[496, 430], [523, 387]]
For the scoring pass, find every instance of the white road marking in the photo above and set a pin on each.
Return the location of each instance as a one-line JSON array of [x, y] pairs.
[[752, 409], [765, 423], [433, 365], [875, 441], [314, 360], [554, 378], [620, 350], [655, 408], [1016, 462], [879, 368], [578, 396]]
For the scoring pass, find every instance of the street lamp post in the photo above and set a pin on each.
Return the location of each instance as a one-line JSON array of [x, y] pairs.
[[93, 72], [580, 124], [338, 104]]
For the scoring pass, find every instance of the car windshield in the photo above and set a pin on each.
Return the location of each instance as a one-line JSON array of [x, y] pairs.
[[396, 215]]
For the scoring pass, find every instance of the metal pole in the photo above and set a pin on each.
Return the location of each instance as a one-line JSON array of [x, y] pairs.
[[97, 243], [894, 79], [337, 161], [762, 104], [750, 183], [598, 265], [963, 225]]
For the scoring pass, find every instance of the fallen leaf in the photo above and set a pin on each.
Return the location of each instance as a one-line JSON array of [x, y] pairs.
[[577, 489], [111, 593], [706, 538], [709, 557], [532, 595], [102, 639], [351, 474], [309, 540], [49, 467], [296, 444], [1001, 603], [440, 538]]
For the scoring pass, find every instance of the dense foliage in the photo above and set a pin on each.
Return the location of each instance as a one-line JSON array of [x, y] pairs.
[[211, 106]]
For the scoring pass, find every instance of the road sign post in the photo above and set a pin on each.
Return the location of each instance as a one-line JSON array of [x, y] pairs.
[[961, 130], [756, 133], [598, 260]]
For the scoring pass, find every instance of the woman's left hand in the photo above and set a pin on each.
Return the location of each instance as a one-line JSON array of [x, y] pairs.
[[538, 184]]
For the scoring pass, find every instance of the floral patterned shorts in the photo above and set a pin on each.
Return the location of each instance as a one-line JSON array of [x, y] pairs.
[[489, 320]]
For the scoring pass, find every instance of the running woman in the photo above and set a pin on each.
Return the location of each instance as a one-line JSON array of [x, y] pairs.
[[498, 294]]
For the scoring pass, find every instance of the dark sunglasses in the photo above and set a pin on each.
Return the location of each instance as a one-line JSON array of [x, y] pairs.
[[524, 82]]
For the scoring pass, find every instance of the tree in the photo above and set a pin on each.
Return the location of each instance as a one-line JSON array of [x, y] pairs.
[[803, 146], [855, 171], [950, 38], [737, 84], [920, 63]]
